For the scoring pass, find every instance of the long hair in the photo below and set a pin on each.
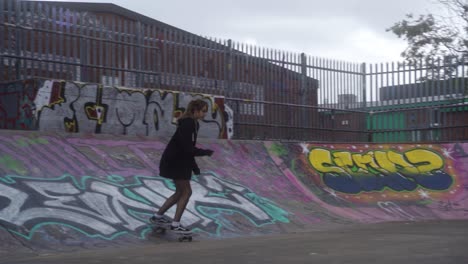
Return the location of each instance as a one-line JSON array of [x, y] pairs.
[[195, 105]]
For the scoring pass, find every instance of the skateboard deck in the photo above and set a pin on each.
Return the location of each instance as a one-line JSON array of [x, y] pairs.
[[162, 229]]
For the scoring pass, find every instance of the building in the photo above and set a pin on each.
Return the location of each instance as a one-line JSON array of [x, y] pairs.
[[424, 111], [108, 44]]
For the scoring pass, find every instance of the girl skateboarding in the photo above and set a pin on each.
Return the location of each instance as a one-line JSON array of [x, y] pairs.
[[178, 163]]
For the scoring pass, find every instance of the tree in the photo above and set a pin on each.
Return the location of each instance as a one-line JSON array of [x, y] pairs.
[[432, 38]]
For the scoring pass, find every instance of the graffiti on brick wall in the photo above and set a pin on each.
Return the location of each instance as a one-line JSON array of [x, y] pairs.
[[51, 105], [17, 105], [120, 205]]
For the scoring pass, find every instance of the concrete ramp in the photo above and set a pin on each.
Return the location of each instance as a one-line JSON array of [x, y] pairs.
[[66, 191]]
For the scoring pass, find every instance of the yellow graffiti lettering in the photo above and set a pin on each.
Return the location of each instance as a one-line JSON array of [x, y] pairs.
[[343, 159], [321, 160], [424, 160], [413, 162], [383, 161], [365, 161], [399, 160]]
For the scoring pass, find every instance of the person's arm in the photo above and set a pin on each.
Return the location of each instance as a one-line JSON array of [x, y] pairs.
[[195, 168], [203, 152]]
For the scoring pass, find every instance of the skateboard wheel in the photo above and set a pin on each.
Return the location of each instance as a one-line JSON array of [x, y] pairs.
[[185, 238], [160, 230]]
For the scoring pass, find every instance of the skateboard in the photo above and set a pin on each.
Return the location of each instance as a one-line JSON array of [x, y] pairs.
[[162, 229]]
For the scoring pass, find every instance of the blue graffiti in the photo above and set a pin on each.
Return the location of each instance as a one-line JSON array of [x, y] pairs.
[[354, 184]]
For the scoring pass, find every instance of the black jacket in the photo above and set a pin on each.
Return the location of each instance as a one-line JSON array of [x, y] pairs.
[[181, 150]]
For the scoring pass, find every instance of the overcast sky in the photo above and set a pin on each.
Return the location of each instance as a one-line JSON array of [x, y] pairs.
[[349, 30]]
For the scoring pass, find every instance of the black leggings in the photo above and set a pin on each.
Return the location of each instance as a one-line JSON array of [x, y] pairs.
[[181, 197]]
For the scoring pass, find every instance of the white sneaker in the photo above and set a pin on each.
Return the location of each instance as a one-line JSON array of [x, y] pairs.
[[180, 229], [161, 221]]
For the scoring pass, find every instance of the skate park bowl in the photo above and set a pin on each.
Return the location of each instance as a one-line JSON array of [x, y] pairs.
[[63, 191], [79, 169]]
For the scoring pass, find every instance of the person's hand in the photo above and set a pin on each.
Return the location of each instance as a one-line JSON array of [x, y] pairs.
[[196, 171], [208, 152]]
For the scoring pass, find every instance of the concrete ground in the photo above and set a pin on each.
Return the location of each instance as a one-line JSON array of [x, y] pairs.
[[404, 242]]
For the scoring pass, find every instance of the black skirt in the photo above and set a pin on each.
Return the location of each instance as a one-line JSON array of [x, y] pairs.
[[176, 173]]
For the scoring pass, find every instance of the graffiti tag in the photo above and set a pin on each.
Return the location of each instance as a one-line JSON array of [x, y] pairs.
[[107, 209], [353, 173]]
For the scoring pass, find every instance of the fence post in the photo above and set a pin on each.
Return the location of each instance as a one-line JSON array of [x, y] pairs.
[[304, 90], [2, 42], [139, 57], [83, 48], [364, 101], [364, 86], [370, 132], [228, 92], [19, 40]]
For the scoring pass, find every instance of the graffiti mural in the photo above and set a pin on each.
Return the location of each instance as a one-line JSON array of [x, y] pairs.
[[117, 205], [373, 183], [109, 184], [405, 172], [355, 172], [17, 105], [53, 105], [99, 187]]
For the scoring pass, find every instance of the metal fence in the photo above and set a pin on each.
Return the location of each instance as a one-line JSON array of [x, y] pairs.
[[425, 100], [274, 94]]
